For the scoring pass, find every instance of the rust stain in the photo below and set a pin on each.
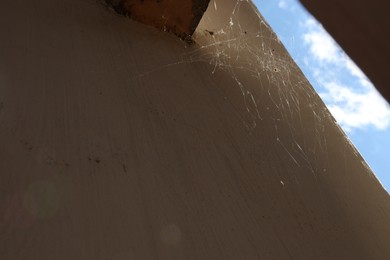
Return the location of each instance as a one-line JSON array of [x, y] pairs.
[[180, 17]]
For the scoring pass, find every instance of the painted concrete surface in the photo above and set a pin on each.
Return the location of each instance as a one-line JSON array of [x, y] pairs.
[[119, 141]]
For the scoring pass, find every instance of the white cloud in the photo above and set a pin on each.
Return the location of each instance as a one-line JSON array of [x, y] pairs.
[[282, 4], [324, 49], [354, 105], [356, 110], [288, 5], [321, 44]]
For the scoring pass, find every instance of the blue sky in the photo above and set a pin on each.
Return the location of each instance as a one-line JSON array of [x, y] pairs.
[[360, 110]]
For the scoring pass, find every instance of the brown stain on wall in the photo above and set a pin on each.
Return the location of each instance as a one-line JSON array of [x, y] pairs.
[[180, 17]]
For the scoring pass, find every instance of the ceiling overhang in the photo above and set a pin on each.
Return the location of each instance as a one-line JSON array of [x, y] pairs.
[[180, 17], [361, 28]]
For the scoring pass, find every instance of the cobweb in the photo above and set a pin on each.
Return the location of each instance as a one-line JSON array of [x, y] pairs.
[[231, 46], [234, 39]]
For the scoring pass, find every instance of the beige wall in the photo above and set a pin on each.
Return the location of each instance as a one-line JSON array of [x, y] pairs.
[[118, 141]]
